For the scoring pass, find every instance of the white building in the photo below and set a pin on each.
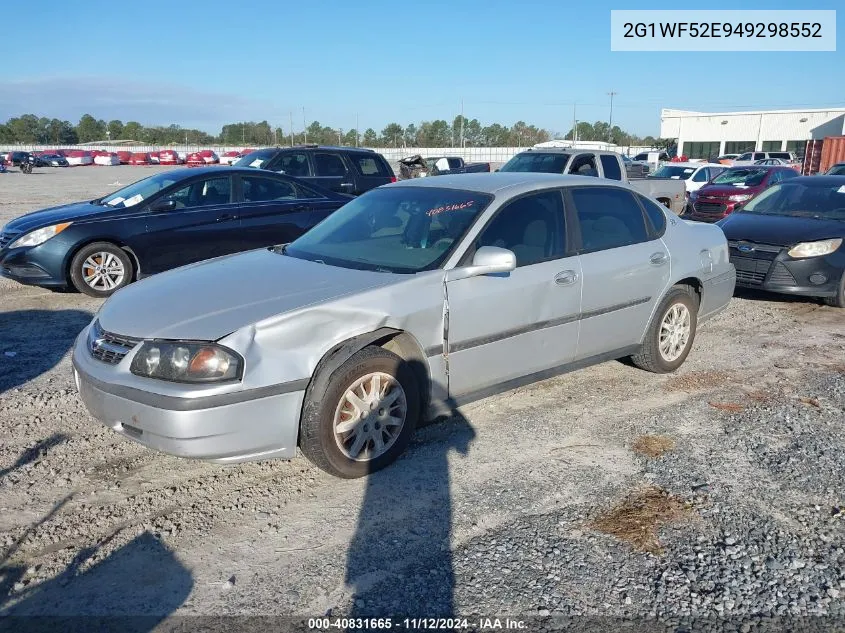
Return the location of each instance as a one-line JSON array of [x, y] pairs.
[[703, 134]]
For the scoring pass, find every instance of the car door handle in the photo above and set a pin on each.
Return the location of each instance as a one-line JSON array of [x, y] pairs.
[[658, 259], [566, 278], [301, 207], [226, 216]]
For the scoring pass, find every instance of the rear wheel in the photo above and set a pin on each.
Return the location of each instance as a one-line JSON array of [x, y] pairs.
[[838, 300], [100, 269], [365, 419], [670, 335]]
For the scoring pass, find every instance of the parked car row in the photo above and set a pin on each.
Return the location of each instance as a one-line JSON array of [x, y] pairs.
[[350, 319]]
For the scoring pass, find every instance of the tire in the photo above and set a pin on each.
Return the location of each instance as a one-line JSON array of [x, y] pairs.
[[838, 300], [103, 284], [318, 440], [651, 357]]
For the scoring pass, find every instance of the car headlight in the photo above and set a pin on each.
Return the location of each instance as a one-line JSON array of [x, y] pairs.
[[815, 249], [186, 362], [39, 236], [740, 197]]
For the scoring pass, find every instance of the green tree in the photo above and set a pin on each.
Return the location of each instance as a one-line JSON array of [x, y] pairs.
[[115, 129], [26, 129], [90, 129], [351, 138], [6, 135], [411, 136], [370, 138], [495, 135], [392, 135], [132, 130]]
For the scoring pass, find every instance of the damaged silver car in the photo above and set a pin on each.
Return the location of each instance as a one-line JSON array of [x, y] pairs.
[[408, 301]]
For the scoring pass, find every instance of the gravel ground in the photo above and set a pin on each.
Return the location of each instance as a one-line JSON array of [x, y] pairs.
[[734, 523]]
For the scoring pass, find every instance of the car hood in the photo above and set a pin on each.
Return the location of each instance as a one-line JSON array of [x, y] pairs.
[[55, 215], [779, 230], [723, 191], [212, 299]]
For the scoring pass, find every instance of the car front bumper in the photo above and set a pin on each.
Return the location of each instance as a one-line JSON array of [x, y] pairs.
[[770, 268], [223, 428], [41, 265]]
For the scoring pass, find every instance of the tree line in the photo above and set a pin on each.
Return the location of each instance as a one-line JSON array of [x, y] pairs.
[[31, 129]]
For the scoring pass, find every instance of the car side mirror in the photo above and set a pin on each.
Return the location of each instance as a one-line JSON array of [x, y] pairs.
[[488, 260], [166, 204]]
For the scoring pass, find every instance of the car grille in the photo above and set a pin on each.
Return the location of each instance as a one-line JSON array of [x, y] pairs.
[[710, 208], [107, 347], [781, 276], [753, 267], [6, 238]]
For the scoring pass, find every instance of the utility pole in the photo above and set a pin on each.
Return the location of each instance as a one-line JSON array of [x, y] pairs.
[[574, 126], [611, 94], [304, 128], [357, 128], [462, 122], [575, 134], [339, 135], [291, 128]]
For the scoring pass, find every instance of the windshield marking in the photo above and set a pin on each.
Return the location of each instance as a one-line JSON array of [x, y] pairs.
[[450, 207]]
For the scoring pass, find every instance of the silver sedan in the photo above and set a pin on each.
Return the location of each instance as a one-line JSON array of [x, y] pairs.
[[405, 303]]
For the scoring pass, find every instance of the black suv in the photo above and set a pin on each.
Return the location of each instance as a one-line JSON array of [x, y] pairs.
[[351, 170], [16, 158]]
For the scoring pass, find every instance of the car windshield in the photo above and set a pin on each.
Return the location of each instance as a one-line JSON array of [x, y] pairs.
[[397, 229], [138, 191], [748, 177], [673, 171], [257, 159], [539, 162], [802, 199], [838, 170]]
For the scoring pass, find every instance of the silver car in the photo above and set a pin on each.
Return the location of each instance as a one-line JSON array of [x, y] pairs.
[[406, 302]]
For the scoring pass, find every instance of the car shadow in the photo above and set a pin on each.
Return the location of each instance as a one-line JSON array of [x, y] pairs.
[[131, 590], [34, 341], [34, 453], [753, 294], [399, 561]]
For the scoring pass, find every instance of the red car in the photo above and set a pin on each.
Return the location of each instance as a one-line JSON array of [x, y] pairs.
[[733, 188], [139, 158], [124, 157], [168, 157]]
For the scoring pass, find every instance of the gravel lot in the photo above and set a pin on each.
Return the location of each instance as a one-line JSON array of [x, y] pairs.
[[712, 498]]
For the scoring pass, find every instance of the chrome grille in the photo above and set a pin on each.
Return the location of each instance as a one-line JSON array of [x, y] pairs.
[[108, 347], [6, 238]]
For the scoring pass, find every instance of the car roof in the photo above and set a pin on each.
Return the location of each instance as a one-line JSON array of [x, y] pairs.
[[689, 164], [566, 150], [819, 181], [309, 146], [223, 170], [496, 182]]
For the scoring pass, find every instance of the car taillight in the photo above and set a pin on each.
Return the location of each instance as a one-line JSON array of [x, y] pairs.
[[393, 179]]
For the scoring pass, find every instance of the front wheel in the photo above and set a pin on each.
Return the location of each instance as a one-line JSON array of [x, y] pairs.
[[670, 334], [100, 269], [365, 419], [838, 300]]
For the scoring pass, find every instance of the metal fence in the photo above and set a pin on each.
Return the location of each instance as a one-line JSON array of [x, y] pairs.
[[392, 154]]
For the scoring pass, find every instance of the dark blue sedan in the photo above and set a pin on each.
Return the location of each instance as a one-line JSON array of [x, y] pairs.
[[164, 221]]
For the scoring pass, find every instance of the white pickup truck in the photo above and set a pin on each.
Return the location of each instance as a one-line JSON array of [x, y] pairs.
[[601, 164]]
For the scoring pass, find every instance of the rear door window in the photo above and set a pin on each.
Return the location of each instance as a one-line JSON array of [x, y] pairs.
[[257, 189], [656, 215], [609, 217], [370, 166], [329, 164], [203, 193], [610, 165], [293, 164]]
